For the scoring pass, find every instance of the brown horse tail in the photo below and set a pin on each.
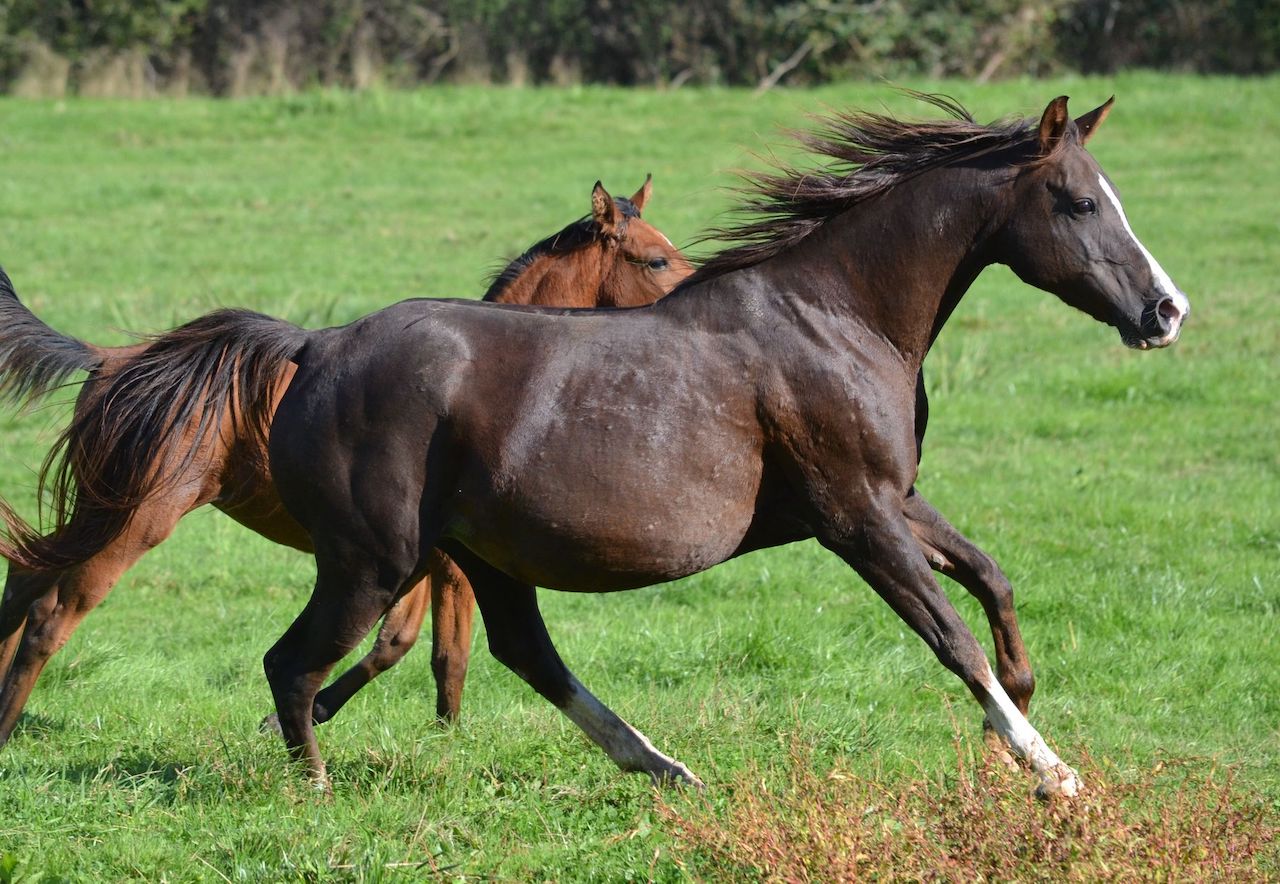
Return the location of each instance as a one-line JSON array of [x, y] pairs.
[[35, 359], [137, 431]]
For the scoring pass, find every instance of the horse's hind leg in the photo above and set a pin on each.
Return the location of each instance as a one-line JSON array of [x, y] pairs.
[[398, 633], [23, 592], [453, 606], [66, 597], [951, 553], [518, 639], [447, 592], [351, 593]]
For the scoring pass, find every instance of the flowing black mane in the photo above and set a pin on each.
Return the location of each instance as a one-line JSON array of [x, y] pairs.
[[577, 235], [870, 154]]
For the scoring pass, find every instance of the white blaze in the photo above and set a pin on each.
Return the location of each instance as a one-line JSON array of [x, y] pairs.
[[1162, 279]]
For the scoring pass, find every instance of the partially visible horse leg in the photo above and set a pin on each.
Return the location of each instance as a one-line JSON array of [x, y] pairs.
[[68, 597], [396, 636], [518, 639], [352, 591], [448, 594], [883, 550], [453, 606], [951, 553], [27, 594]]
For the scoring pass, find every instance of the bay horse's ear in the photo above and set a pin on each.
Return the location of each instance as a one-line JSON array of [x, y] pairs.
[[1089, 123], [642, 195], [1053, 125], [604, 210]]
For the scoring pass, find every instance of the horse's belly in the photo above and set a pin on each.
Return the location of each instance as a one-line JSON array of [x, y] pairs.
[[603, 539]]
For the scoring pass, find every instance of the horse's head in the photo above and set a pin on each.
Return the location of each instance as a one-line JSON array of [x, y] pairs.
[[1068, 235], [642, 264]]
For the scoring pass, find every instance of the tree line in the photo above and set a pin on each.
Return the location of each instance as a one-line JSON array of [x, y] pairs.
[[238, 47]]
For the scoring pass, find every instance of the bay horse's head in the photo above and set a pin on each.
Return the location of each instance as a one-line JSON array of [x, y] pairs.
[[1068, 234], [611, 258], [643, 265]]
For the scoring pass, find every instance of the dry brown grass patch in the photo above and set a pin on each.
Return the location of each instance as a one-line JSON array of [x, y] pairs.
[[1178, 821]]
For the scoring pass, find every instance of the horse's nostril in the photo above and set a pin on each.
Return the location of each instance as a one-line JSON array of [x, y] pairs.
[[1168, 311]]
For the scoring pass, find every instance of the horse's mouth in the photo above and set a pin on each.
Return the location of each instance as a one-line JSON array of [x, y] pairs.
[[1165, 332], [1154, 342]]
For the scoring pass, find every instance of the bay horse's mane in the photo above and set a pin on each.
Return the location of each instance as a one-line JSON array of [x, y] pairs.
[[576, 235], [869, 155]]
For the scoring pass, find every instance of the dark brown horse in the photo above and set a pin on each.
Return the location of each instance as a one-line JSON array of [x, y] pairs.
[[772, 398], [610, 258]]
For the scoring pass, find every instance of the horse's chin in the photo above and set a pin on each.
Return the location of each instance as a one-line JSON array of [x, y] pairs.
[[1138, 342]]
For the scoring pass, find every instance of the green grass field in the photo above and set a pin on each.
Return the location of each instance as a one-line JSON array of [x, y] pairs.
[[1133, 499]]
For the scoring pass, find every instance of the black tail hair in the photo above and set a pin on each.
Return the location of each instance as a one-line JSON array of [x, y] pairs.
[[137, 432], [35, 359]]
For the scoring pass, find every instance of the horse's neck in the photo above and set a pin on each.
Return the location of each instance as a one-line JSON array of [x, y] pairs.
[[901, 262], [569, 279]]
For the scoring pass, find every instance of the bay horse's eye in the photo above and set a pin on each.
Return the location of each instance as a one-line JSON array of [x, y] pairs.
[[657, 263], [1084, 206]]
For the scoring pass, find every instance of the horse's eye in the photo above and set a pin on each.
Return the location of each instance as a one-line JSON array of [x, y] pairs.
[[1084, 206], [657, 263]]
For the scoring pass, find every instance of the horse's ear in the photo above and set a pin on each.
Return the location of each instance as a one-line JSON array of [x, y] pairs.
[[1089, 123], [603, 209], [642, 195], [1053, 125]]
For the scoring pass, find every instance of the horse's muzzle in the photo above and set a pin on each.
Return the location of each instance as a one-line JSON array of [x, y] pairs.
[[1162, 322]]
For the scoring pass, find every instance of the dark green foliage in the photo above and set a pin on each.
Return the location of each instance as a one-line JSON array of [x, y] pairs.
[[239, 46]]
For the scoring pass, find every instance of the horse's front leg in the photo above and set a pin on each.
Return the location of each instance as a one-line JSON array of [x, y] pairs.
[[881, 547], [951, 553]]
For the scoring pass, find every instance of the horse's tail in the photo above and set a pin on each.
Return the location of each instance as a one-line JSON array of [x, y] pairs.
[[136, 432], [35, 358]]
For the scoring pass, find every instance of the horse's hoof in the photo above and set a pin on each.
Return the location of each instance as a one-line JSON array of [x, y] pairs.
[[270, 725], [1059, 781], [997, 748]]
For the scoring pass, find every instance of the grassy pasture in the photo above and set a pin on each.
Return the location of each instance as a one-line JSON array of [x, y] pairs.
[[1133, 499]]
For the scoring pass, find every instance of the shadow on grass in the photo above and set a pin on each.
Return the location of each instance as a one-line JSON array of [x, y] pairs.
[[33, 726], [133, 771]]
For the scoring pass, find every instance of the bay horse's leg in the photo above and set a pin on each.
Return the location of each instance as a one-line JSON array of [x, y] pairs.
[[951, 553], [26, 595], [60, 610], [518, 639], [396, 636], [453, 606], [883, 550], [351, 593]]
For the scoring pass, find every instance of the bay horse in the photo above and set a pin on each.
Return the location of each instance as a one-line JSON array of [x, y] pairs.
[[610, 258], [773, 397]]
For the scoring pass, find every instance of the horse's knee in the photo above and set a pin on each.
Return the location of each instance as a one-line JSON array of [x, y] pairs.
[[989, 575], [27, 594], [442, 663]]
